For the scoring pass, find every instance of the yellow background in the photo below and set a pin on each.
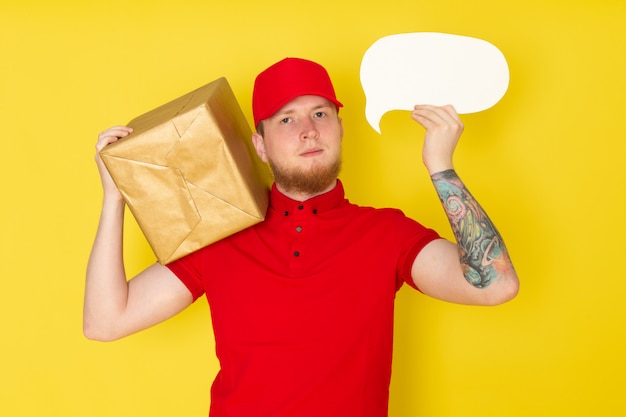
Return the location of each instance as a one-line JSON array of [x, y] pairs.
[[546, 162]]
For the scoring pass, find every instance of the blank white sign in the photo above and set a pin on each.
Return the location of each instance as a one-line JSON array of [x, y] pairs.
[[400, 71]]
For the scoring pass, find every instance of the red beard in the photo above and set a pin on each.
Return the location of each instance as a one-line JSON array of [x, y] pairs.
[[314, 181]]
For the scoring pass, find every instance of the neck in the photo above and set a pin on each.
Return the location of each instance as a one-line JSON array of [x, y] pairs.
[[299, 195]]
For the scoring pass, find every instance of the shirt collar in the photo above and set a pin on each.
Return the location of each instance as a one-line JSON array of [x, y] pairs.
[[317, 204]]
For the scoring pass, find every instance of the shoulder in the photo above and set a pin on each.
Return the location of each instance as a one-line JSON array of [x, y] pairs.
[[390, 225], [385, 216], [373, 211]]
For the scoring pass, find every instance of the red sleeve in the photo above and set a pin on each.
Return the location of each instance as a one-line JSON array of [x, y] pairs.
[[184, 269], [408, 255]]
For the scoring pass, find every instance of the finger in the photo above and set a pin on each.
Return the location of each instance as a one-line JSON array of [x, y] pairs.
[[104, 140], [110, 135], [117, 131], [437, 113], [434, 116], [427, 116]]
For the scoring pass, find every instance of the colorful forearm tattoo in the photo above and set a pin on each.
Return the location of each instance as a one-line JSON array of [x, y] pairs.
[[481, 249]]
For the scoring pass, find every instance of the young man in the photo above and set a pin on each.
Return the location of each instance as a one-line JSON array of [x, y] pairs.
[[302, 303]]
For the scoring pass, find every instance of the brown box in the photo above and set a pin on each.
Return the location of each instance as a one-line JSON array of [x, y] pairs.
[[189, 172]]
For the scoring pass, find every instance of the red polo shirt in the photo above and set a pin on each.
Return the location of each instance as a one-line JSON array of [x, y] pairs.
[[302, 307]]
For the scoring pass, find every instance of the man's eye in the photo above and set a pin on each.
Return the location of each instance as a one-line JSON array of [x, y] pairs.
[[320, 114], [285, 120]]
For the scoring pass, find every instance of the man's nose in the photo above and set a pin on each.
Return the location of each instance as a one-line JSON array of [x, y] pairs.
[[309, 130]]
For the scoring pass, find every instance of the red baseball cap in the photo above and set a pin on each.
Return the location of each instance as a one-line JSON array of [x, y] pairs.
[[286, 80]]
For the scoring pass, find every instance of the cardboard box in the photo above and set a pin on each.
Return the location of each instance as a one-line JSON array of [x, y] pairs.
[[189, 172]]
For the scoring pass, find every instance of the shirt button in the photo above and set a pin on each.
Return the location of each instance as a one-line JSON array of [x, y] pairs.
[[286, 213], [299, 229], [300, 207], [296, 253]]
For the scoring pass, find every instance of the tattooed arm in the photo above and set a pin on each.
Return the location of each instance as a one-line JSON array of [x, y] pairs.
[[477, 270]]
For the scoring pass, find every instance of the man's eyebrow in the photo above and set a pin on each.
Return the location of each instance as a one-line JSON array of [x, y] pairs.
[[316, 107], [289, 110], [322, 106], [286, 111]]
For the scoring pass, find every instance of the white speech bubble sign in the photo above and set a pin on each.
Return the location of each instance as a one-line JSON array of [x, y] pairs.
[[400, 71]]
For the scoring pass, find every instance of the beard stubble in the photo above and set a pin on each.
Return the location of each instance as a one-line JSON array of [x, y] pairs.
[[299, 181]]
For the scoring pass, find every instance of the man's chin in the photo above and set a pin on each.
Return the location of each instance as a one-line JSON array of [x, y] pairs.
[[310, 182]]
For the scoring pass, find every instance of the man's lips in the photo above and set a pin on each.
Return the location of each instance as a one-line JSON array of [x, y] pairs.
[[311, 152]]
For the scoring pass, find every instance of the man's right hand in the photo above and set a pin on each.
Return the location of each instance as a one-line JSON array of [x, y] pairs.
[[111, 135]]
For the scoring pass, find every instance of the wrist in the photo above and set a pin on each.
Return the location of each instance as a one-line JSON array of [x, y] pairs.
[[436, 168], [444, 174], [437, 163], [113, 201]]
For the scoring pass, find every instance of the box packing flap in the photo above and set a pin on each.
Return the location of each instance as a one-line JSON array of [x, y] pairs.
[[189, 172]]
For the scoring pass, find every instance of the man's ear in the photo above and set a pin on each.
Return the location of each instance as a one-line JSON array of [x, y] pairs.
[[259, 146], [340, 126]]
